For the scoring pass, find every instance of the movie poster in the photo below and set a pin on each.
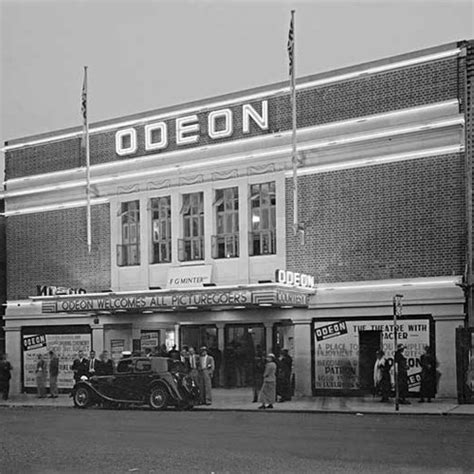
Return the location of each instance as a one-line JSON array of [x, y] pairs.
[[66, 347], [337, 350]]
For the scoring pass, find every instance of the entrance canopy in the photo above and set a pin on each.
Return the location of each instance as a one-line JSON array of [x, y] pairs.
[[274, 295]]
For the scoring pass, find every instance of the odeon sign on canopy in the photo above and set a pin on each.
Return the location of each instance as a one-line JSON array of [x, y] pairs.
[[187, 129]]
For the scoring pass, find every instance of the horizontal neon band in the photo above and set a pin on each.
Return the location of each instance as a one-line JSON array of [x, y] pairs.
[[451, 281], [219, 161], [377, 160], [54, 207], [249, 97]]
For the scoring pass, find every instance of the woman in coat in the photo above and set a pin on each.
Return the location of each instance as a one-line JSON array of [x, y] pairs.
[[267, 396], [41, 376], [428, 375], [382, 383]]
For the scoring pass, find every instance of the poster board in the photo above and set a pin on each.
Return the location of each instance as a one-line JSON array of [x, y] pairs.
[[336, 350], [66, 347]]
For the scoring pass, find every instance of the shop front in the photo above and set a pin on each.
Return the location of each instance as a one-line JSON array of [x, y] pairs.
[[234, 322]]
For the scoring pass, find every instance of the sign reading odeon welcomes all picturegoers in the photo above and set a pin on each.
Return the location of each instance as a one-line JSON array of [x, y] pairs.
[[186, 130]]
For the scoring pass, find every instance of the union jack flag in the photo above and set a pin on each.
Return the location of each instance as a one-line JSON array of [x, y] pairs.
[[291, 43], [84, 107]]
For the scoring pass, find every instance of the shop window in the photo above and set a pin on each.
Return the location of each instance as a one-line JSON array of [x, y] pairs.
[[191, 246], [225, 243], [161, 229], [128, 252], [262, 238]]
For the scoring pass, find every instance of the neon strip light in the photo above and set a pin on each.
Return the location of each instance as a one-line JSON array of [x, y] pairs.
[[452, 281], [378, 160], [250, 97], [220, 161], [236, 143], [54, 207]]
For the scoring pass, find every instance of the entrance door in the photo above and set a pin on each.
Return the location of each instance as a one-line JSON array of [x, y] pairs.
[[369, 344], [199, 336], [241, 343]]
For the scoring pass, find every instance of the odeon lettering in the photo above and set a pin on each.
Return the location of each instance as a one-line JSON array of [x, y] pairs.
[[187, 130], [142, 302]]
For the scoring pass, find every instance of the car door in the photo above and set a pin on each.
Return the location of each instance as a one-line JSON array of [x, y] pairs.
[[122, 383], [141, 378]]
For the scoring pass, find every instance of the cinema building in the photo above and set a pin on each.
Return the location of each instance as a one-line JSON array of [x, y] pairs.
[[192, 237]]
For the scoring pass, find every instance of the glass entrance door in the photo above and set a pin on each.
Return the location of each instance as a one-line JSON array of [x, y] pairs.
[[241, 343]]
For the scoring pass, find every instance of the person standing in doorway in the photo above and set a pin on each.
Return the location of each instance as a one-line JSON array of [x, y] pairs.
[[267, 394], [402, 368], [206, 370], [428, 375], [285, 364], [5, 376], [41, 376], [53, 374], [382, 376]]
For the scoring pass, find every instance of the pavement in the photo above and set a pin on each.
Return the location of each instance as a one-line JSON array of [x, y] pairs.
[[240, 399]]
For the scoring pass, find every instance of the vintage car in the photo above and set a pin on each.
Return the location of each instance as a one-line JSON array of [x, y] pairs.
[[156, 381]]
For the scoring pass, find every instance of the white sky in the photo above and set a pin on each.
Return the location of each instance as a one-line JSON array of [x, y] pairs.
[[145, 54]]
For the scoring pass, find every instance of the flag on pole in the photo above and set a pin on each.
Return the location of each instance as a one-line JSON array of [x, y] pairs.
[[84, 108], [291, 45], [85, 144]]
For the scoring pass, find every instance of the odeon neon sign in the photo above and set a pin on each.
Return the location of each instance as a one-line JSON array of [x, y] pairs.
[[220, 124]]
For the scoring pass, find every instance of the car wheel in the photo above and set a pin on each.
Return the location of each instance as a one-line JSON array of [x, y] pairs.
[[158, 398], [82, 397]]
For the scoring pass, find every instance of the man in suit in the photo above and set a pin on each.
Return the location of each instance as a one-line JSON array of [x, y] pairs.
[[80, 366], [93, 363], [53, 374], [206, 370]]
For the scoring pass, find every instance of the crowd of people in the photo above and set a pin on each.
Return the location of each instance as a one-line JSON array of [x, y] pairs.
[[383, 379]]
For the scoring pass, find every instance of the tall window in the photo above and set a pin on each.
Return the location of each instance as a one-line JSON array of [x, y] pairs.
[[263, 216], [225, 243], [191, 246], [128, 252], [161, 229]]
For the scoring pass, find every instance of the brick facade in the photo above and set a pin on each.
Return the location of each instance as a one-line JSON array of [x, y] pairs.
[[50, 249], [397, 220], [409, 87]]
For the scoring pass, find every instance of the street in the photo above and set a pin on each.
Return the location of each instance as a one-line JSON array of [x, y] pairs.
[[49, 440]]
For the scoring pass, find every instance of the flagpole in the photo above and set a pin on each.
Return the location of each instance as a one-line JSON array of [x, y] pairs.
[[294, 156], [88, 161]]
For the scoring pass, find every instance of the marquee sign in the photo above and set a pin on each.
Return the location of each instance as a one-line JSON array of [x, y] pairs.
[[178, 300], [187, 130]]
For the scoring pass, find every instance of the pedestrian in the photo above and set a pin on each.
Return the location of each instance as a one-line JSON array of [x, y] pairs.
[[41, 376], [402, 371], [80, 366], [206, 370], [216, 353], [382, 376], [93, 362], [5, 376], [267, 394], [285, 364], [184, 357], [174, 353], [428, 364], [105, 365], [53, 374], [258, 367], [193, 361]]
